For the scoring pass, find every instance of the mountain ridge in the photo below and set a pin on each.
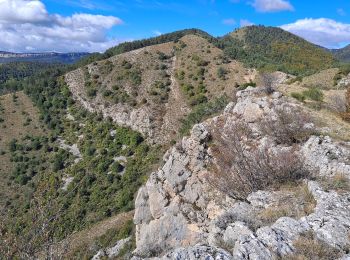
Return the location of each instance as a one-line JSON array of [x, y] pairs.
[[49, 57]]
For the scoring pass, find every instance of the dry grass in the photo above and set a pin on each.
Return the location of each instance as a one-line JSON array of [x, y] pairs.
[[334, 124], [295, 202], [339, 183], [85, 239], [308, 247], [323, 79]]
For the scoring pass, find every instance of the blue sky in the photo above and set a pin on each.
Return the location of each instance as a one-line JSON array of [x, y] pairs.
[[94, 25], [142, 18]]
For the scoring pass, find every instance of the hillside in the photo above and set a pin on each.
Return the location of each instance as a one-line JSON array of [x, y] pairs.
[[154, 89], [342, 54], [271, 48]]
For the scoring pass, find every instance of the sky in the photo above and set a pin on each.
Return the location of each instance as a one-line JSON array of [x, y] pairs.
[[95, 25]]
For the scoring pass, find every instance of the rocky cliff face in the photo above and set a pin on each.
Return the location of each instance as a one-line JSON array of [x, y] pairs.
[[180, 216]]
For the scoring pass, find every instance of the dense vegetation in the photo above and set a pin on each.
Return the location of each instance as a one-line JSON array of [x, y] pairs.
[[272, 48], [169, 37], [114, 162], [11, 73]]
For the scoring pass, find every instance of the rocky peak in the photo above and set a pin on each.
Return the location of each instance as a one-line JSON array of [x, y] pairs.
[[180, 216]]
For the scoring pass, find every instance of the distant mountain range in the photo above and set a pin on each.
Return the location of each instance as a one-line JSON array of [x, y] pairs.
[[49, 57]]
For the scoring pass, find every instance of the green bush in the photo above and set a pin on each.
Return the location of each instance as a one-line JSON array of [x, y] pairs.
[[91, 92], [298, 96], [314, 94], [221, 72]]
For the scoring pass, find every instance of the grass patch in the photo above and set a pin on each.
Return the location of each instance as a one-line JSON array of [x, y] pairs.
[[314, 94], [338, 183], [309, 247]]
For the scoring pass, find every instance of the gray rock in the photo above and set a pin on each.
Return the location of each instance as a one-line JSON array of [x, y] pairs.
[[326, 157], [177, 209], [234, 232], [113, 251], [142, 209], [198, 252], [250, 247], [157, 196], [165, 233], [331, 218], [279, 237]]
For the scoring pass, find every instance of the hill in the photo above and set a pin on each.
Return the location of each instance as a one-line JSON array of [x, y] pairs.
[[47, 57], [271, 48], [342, 54], [155, 89]]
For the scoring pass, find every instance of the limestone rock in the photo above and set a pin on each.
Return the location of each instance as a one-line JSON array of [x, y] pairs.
[[177, 209]]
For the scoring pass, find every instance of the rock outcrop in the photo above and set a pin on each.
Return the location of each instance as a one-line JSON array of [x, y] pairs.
[[180, 216]]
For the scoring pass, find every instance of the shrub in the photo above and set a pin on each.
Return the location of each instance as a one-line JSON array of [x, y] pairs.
[[91, 92], [268, 81], [221, 72], [314, 94], [298, 96], [290, 126], [239, 170]]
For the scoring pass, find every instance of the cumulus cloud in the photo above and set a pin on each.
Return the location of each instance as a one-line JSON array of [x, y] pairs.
[[267, 6], [17, 11], [26, 25], [229, 21], [322, 31]]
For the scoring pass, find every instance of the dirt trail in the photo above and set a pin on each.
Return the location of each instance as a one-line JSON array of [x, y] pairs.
[[176, 108]]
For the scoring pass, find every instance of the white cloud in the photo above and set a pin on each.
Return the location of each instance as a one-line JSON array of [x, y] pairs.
[[17, 11], [229, 21], [322, 31], [267, 6], [244, 23], [26, 25]]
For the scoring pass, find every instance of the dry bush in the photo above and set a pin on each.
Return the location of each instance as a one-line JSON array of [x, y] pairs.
[[290, 126], [268, 81], [240, 170], [308, 247]]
